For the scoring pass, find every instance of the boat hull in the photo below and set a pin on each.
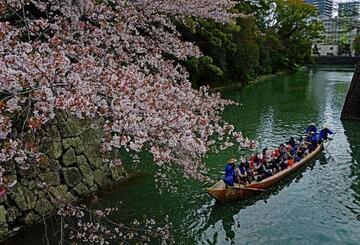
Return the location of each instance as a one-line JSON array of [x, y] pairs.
[[220, 192]]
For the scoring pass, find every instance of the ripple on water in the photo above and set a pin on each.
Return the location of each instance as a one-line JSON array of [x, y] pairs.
[[317, 206]]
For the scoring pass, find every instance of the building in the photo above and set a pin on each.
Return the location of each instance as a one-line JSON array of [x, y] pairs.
[[325, 50], [349, 10], [325, 7], [338, 36]]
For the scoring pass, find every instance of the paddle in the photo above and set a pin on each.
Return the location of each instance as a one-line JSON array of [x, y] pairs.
[[248, 188], [252, 189]]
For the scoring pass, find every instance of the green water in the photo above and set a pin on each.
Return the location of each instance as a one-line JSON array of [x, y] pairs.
[[318, 205]]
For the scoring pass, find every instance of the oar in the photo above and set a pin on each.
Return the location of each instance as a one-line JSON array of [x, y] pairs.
[[248, 188], [329, 140], [252, 189]]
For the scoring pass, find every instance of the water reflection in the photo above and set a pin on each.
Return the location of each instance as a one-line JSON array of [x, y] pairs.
[[314, 206], [353, 135]]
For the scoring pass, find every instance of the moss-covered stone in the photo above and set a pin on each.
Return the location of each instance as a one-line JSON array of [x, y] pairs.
[[91, 137], [73, 126], [100, 178], [94, 188], [72, 176], [89, 181], [54, 150], [93, 155], [31, 218], [28, 173], [54, 165], [86, 171], [80, 146], [69, 157], [51, 178], [81, 189], [32, 185], [60, 194], [44, 207], [4, 230], [69, 142], [117, 172], [2, 215], [105, 168], [54, 133], [81, 160], [12, 214], [3, 199], [24, 198], [24, 182]]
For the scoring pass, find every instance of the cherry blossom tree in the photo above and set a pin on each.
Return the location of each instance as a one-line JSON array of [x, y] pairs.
[[115, 59], [120, 60]]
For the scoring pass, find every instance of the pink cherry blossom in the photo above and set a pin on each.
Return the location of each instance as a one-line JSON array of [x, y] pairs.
[[113, 59]]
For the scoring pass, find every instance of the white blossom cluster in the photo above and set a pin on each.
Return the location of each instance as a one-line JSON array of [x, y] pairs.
[[84, 225]]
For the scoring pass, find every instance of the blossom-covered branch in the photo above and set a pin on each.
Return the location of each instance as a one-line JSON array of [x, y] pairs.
[[115, 59]]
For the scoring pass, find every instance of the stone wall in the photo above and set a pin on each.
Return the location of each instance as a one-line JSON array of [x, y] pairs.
[[73, 169], [351, 110], [336, 60]]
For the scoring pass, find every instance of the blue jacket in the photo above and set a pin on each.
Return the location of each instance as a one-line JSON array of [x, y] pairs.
[[242, 169], [229, 175], [324, 133], [311, 128], [313, 139]]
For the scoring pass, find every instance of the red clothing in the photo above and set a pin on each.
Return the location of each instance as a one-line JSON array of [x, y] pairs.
[[290, 162]]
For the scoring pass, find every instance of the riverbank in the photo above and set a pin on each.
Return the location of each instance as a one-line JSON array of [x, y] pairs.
[[237, 85]]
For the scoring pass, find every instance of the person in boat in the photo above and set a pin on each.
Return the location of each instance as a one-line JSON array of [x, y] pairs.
[[324, 133], [311, 128], [300, 153], [266, 157], [241, 174], [276, 153], [275, 165], [248, 168], [290, 161], [283, 151], [299, 141], [291, 142], [261, 170], [312, 141], [290, 150], [230, 175]]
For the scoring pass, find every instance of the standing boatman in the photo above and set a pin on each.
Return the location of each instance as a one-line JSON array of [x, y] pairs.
[[311, 128], [230, 174], [324, 133]]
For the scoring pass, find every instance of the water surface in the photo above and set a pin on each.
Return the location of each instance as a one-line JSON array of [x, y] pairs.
[[318, 205]]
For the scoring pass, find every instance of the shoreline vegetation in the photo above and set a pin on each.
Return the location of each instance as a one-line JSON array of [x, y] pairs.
[[236, 85], [261, 42]]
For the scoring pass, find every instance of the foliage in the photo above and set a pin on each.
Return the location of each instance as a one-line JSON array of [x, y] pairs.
[[356, 45], [269, 36], [115, 59]]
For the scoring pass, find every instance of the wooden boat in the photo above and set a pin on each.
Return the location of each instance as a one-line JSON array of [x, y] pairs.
[[223, 194]]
